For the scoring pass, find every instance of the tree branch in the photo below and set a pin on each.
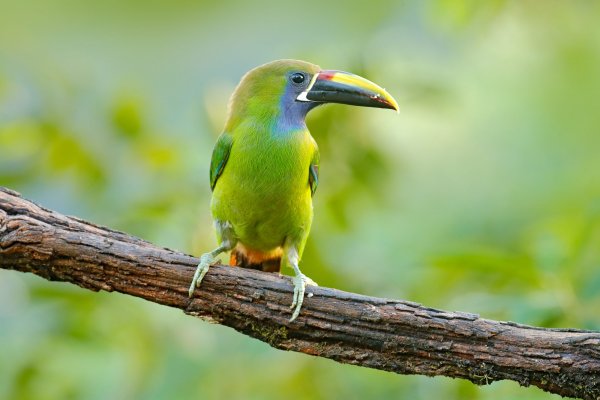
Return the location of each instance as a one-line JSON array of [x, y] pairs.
[[392, 335]]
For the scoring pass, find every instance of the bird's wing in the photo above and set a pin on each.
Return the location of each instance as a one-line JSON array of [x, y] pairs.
[[313, 172], [219, 157]]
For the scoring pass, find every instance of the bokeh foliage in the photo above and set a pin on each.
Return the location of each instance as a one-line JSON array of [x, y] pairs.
[[483, 195]]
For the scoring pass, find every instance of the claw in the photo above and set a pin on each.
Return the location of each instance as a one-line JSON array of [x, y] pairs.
[[300, 281], [201, 270]]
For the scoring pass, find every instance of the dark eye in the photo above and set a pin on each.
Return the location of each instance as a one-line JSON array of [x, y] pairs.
[[297, 78]]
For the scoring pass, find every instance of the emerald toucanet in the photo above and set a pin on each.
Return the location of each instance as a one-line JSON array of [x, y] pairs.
[[265, 165]]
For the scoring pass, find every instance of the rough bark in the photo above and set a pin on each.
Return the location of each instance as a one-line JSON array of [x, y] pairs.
[[392, 335]]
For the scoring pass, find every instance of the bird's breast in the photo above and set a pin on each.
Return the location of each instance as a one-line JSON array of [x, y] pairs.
[[272, 163], [264, 190]]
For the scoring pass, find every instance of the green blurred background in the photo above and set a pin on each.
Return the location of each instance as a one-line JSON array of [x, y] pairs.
[[483, 195]]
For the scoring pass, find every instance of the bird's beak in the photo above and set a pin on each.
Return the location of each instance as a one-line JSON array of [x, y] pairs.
[[346, 88]]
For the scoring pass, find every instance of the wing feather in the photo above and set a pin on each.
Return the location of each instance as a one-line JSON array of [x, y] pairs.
[[220, 155], [313, 172]]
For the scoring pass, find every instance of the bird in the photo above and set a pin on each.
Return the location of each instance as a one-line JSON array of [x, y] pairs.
[[264, 168]]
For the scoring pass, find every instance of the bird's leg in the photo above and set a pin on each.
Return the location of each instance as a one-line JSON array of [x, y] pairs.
[[206, 260], [228, 242], [300, 280]]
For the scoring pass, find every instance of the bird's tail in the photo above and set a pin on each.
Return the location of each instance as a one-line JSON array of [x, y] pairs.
[[267, 262]]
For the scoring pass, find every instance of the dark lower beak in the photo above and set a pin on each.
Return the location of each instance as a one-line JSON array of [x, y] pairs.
[[346, 88]]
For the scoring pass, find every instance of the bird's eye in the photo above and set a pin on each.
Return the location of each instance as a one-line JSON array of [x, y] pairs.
[[297, 78]]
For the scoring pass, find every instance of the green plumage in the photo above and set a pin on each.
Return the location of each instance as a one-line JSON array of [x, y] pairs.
[[262, 177], [265, 165], [264, 189]]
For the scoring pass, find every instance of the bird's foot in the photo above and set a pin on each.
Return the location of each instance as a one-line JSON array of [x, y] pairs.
[[300, 281], [205, 262]]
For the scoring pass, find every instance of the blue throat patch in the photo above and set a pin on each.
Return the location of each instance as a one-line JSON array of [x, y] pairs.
[[292, 113]]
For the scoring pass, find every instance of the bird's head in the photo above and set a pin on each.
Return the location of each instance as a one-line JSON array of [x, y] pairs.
[[282, 93]]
